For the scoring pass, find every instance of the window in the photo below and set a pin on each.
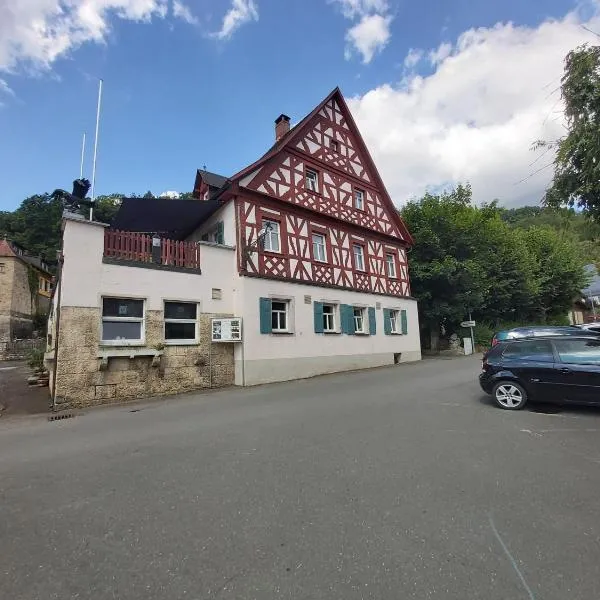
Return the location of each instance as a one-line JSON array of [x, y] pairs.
[[329, 318], [395, 321], [359, 199], [271, 236], [181, 325], [579, 352], [333, 144], [312, 180], [359, 319], [390, 261], [122, 321], [535, 350], [279, 315], [318, 241], [359, 257], [2, 267]]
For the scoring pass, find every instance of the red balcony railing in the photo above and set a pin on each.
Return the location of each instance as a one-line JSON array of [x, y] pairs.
[[133, 246]]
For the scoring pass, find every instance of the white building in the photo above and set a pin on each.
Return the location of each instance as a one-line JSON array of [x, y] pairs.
[[304, 247]]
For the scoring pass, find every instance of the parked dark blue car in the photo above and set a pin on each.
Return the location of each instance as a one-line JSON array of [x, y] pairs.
[[557, 369]]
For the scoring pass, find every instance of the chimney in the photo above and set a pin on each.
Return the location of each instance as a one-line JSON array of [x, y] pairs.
[[282, 126]]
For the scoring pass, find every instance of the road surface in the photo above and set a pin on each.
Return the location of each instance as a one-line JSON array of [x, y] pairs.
[[387, 484]]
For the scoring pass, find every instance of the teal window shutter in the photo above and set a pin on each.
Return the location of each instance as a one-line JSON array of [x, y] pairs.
[[265, 315], [387, 321], [404, 322], [318, 308], [372, 321], [220, 233], [347, 319]]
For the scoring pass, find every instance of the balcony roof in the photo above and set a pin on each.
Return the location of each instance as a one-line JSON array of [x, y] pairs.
[[172, 218]]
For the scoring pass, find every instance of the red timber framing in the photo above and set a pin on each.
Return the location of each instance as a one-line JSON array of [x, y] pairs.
[[326, 141], [295, 261]]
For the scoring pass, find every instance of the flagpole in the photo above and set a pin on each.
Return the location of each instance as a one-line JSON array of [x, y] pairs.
[[96, 147], [82, 156]]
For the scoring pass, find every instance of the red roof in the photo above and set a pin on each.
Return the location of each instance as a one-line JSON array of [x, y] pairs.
[[6, 248]]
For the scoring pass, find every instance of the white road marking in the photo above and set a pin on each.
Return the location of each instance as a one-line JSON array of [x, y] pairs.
[[531, 432], [513, 562], [7, 368]]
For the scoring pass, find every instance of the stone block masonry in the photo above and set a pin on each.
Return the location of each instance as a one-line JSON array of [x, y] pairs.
[[80, 382]]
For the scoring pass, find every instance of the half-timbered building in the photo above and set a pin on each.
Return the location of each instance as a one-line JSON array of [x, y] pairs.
[[304, 246]]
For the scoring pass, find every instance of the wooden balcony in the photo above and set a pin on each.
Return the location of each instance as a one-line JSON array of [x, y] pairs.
[[131, 246]]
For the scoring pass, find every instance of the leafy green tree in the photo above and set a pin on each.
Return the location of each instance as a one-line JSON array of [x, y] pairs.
[[558, 268], [464, 258], [35, 225], [576, 179], [106, 207]]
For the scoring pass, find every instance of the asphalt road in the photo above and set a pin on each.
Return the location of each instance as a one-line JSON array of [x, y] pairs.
[[389, 484]]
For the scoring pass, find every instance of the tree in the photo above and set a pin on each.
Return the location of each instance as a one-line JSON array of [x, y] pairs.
[[558, 269], [463, 258], [106, 207], [35, 225], [576, 181]]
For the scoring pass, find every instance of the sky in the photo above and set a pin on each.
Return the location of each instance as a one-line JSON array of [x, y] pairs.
[[443, 91]]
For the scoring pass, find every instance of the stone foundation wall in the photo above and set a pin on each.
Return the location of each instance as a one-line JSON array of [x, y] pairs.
[[80, 382]]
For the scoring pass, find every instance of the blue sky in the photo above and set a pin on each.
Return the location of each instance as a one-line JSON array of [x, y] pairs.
[[178, 95]]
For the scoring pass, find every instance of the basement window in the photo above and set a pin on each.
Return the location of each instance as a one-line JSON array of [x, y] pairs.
[[122, 321]]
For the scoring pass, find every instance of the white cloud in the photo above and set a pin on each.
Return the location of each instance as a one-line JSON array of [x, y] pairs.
[[413, 58], [173, 195], [441, 53], [240, 13], [35, 33], [352, 9], [491, 95], [369, 36], [181, 11], [372, 31]]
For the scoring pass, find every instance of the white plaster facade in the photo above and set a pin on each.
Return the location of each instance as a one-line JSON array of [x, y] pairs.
[[260, 358], [266, 358], [86, 278]]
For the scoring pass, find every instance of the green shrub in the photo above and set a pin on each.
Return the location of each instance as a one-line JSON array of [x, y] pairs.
[[35, 359]]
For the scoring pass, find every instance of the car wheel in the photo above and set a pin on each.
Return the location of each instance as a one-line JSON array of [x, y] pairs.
[[509, 395]]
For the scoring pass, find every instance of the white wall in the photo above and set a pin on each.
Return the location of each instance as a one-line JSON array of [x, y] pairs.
[[86, 278], [226, 214], [276, 357]]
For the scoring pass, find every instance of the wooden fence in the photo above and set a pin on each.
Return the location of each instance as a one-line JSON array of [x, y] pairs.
[[129, 245]]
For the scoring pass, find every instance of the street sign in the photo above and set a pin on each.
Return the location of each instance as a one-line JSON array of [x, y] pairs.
[[468, 324]]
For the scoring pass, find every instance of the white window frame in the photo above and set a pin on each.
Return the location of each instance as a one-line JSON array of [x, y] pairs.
[[358, 193], [312, 184], [321, 246], [395, 324], [391, 263], [333, 318], [358, 255], [182, 342], [128, 342], [285, 312], [274, 231], [359, 318]]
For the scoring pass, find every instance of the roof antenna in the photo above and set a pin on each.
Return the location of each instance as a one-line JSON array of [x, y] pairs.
[[96, 148]]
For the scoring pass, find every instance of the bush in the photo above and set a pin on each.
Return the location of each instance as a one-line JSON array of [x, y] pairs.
[[35, 359], [40, 321]]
